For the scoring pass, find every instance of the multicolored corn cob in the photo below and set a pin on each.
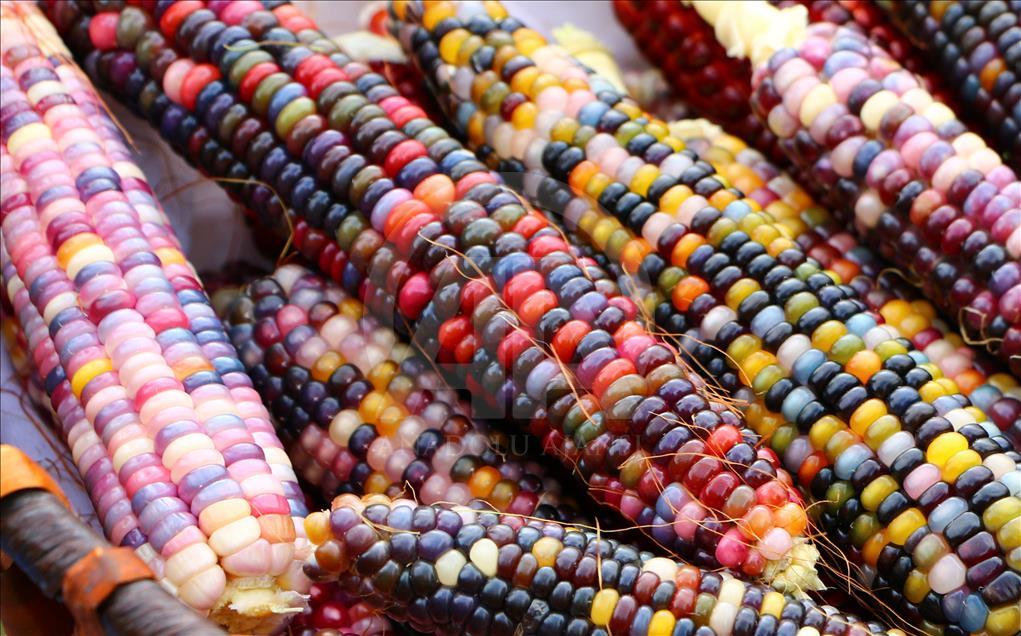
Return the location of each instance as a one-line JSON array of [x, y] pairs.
[[365, 416], [635, 255], [837, 250], [829, 440], [977, 47], [677, 40], [112, 504], [450, 202], [932, 197], [153, 400], [937, 504], [887, 298], [451, 570], [870, 18], [19, 351], [328, 607]]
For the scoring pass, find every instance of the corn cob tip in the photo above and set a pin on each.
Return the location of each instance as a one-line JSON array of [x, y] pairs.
[[256, 605], [739, 26], [795, 573], [688, 128], [366, 46], [589, 50]]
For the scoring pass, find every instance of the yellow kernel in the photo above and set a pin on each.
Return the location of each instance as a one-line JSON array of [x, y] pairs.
[[916, 586], [325, 365], [823, 430], [904, 524], [673, 198], [545, 551], [437, 12], [662, 623], [930, 391], [880, 430], [841, 441], [827, 333], [643, 178], [875, 545], [739, 291], [959, 463], [1004, 621], [877, 491], [603, 604], [773, 604], [867, 413], [743, 346], [1001, 512], [381, 374], [317, 527], [944, 447]]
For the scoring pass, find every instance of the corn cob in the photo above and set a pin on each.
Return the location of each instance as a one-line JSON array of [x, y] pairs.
[[365, 416], [325, 613], [328, 608], [824, 241], [19, 351], [837, 250], [938, 587], [869, 17], [821, 238], [537, 380], [829, 438], [458, 570], [112, 504], [676, 40], [202, 318], [98, 219], [937, 201], [976, 46]]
